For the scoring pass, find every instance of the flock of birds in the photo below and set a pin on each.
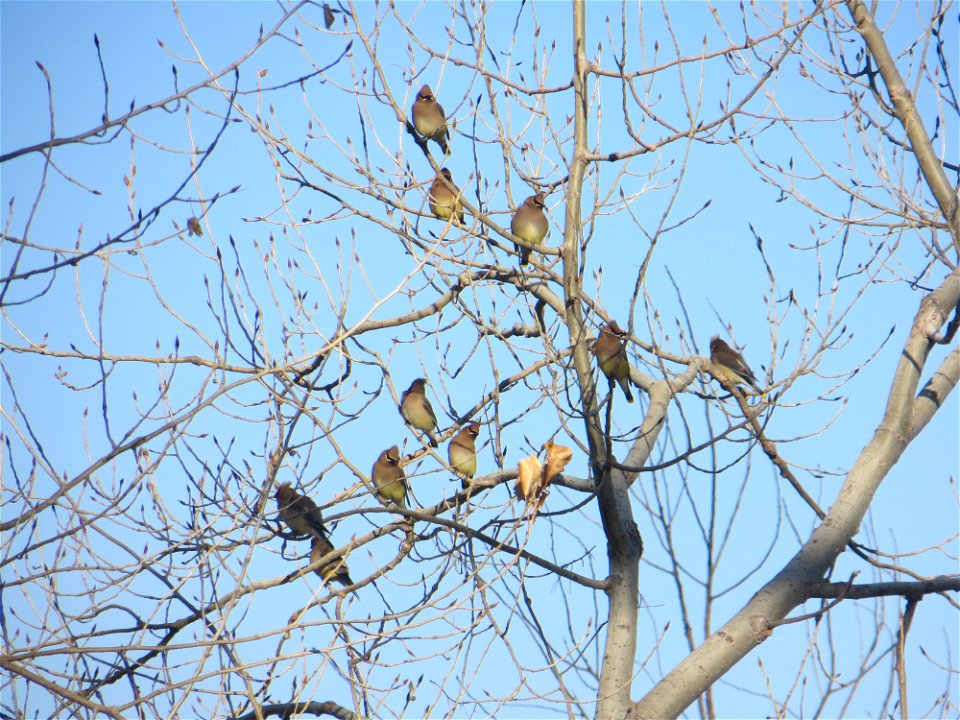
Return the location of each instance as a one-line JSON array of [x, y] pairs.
[[530, 225], [529, 222]]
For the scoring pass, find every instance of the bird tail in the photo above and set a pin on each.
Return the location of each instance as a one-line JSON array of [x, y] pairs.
[[625, 386], [524, 255], [316, 529]]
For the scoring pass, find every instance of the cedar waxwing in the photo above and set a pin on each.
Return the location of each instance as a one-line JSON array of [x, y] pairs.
[[428, 118], [445, 202], [417, 410], [334, 570], [730, 364], [388, 477], [299, 512], [530, 224], [612, 357], [462, 451]]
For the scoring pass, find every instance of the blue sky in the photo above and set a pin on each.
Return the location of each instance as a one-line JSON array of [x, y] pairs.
[[711, 262]]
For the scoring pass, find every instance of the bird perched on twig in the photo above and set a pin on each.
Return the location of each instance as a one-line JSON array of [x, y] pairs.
[[417, 410], [388, 478], [462, 452], [730, 365], [444, 202], [612, 357], [303, 516], [428, 118], [299, 512], [530, 224], [333, 570]]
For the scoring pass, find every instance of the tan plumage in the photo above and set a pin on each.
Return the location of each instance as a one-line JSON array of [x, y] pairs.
[[388, 478], [530, 224], [445, 202], [299, 512], [428, 118], [730, 364], [417, 410], [334, 570], [462, 451], [612, 357]]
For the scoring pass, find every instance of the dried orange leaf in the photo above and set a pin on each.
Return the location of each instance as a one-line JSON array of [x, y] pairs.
[[528, 479], [558, 457]]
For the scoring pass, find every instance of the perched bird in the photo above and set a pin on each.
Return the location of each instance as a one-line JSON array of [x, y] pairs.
[[417, 410], [299, 512], [730, 364], [428, 118], [333, 570], [388, 477], [530, 224], [303, 516], [612, 357], [462, 451], [445, 202]]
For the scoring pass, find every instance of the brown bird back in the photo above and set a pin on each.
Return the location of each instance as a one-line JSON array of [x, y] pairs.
[[731, 365]]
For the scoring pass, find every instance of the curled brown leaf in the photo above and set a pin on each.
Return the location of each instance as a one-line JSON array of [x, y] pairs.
[[528, 479], [533, 477]]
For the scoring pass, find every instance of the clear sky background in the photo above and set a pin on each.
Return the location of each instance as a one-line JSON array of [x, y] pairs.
[[713, 260]]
